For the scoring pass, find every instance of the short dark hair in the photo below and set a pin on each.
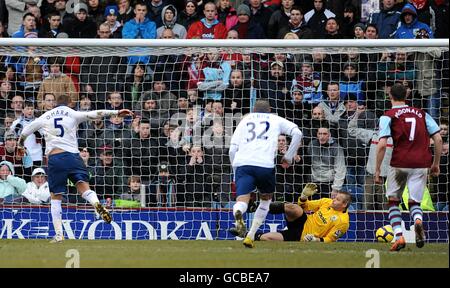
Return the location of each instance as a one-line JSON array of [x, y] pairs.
[[373, 26], [28, 14], [398, 92], [28, 103], [63, 99], [261, 106]]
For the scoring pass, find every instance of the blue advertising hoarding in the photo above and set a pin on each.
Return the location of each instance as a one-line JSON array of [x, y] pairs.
[[165, 224]]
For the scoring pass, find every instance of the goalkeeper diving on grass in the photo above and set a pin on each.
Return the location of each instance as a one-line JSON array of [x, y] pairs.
[[59, 127], [252, 153], [328, 223]]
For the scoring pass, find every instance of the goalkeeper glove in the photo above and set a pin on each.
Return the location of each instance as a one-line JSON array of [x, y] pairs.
[[309, 190], [311, 238]]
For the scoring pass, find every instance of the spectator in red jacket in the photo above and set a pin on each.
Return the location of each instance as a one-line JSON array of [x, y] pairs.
[[208, 27]]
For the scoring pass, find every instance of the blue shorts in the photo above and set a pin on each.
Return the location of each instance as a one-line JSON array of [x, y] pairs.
[[250, 177], [63, 166]]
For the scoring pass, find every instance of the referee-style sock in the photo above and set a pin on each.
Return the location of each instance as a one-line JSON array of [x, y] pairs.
[[395, 217], [260, 216], [90, 196], [56, 216]]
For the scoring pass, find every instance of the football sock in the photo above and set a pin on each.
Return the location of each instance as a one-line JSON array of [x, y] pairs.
[[276, 208], [56, 216], [260, 216], [416, 211], [90, 196], [395, 217], [241, 206]]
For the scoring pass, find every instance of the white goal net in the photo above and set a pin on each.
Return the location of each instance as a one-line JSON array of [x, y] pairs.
[[165, 173]]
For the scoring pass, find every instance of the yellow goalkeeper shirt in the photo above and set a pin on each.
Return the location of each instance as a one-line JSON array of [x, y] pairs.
[[325, 222]]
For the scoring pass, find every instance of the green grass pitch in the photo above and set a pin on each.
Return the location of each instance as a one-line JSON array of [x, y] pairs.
[[215, 254]]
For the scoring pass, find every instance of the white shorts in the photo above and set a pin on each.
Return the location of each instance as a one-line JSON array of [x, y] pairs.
[[414, 178]]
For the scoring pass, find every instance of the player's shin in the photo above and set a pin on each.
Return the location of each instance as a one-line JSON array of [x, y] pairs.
[[260, 216], [395, 218], [90, 196], [57, 216]]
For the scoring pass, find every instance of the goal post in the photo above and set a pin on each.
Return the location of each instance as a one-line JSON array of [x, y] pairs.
[[166, 173]]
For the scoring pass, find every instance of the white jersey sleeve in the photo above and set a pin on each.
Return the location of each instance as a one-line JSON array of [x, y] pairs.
[[256, 139], [59, 127]]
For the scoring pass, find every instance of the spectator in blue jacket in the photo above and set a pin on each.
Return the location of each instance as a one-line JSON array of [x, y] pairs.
[[411, 26], [387, 20], [140, 27]]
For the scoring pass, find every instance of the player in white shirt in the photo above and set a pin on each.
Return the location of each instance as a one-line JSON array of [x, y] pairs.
[[59, 127], [252, 153]]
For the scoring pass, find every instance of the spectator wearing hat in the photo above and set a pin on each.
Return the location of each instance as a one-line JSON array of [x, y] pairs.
[[276, 87], [108, 176], [246, 27], [410, 25], [208, 27], [358, 31], [16, 10], [9, 152], [115, 26], [189, 14], [37, 191], [169, 17], [11, 186], [80, 26]]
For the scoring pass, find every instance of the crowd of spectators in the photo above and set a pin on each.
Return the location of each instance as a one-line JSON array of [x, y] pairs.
[[187, 105]]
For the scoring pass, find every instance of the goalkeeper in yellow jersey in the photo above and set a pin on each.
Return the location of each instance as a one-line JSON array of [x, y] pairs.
[[328, 223]]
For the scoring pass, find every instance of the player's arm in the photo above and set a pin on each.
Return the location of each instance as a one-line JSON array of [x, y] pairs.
[[290, 128], [433, 129], [336, 232], [234, 142], [91, 115], [27, 131], [384, 134]]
